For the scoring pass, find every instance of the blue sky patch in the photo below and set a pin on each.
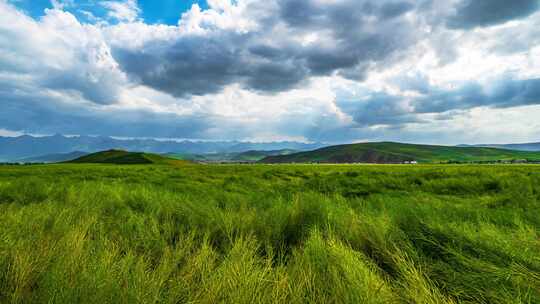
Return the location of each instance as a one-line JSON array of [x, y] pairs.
[[166, 11], [152, 11]]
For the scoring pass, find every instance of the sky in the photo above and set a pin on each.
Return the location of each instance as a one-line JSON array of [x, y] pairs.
[[332, 71]]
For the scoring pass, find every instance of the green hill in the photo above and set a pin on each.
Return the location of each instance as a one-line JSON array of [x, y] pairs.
[[125, 158], [247, 156], [202, 158], [254, 155], [390, 152]]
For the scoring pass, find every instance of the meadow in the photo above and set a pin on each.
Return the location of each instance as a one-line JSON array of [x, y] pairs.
[[80, 233]]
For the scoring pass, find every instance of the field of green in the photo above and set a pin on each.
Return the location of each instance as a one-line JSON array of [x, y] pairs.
[[81, 233]]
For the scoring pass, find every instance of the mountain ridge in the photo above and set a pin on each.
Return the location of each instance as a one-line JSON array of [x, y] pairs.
[[53, 158], [26, 146], [531, 147], [395, 153]]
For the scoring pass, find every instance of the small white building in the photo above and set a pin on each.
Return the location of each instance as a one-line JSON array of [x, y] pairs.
[[412, 162]]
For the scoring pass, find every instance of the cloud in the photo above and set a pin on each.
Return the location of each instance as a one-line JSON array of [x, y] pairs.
[[58, 53], [379, 108], [480, 13], [61, 4], [126, 10], [429, 102], [45, 113], [395, 9], [194, 65], [277, 51], [504, 92], [274, 69]]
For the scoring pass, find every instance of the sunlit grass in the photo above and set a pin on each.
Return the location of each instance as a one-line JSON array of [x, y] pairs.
[[269, 234]]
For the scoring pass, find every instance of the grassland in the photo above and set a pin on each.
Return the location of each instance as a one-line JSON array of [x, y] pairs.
[[78, 233], [391, 152]]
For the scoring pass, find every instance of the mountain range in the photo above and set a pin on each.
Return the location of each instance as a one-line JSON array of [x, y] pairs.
[[516, 147], [59, 148], [53, 158], [26, 146]]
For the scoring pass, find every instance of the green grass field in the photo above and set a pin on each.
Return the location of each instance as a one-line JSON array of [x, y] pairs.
[[79, 233]]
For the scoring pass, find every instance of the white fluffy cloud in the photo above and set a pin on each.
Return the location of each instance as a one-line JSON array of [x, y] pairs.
[[58, 54], [126, 10], [282, 69]]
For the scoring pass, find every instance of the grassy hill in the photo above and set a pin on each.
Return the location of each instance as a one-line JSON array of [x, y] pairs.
[[247, 156], [255, 155], [203, 158], [390, 152], [124, 158]]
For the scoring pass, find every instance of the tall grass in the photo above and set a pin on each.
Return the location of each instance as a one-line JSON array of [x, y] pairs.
[[269, 234]]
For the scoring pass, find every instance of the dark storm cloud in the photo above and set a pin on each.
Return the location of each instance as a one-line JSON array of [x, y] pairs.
[[361, 34], [384, 109], [378, 109], [32, 112], [271, 77], [339, 16], [201, 65], [350, 45], [103, 91], [395, 9], [480, 13], [502, 93], [194, 65]]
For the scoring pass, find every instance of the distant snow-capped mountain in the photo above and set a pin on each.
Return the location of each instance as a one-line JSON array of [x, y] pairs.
[[16, 148]]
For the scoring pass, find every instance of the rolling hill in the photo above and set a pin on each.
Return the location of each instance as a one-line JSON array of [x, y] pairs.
[[390, 152], [248, 156], [121, 157], [254, 155]]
